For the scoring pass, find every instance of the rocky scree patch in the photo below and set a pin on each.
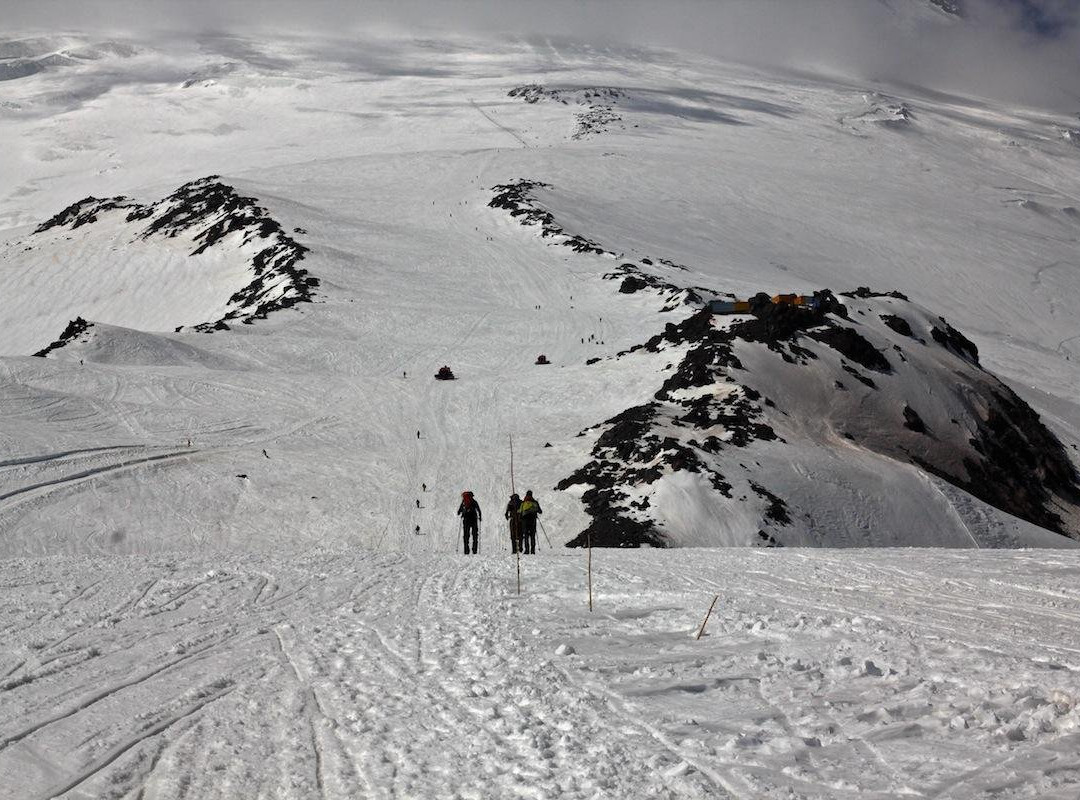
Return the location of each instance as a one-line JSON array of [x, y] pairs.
[[597, 104]]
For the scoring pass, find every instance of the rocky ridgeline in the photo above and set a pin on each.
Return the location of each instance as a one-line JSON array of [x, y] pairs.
[[869, 367], [73, 332], [633, 278], [875, 367], [953, 7], [212, 214], [517, 199], [599, 104]]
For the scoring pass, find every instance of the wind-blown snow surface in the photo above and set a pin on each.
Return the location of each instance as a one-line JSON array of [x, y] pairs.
[[842, 674]]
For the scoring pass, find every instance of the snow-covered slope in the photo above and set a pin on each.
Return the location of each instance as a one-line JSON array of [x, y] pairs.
[[757, 405], [228, 553], [408, 173], [334, 673], [202, 257], [20, 58]]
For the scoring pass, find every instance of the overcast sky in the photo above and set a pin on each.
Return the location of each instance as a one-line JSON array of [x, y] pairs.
[[1013, 50]]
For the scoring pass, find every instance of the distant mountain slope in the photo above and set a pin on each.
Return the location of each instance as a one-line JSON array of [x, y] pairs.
[[873, 373], [750, 402], [203, 257], [21, 58]]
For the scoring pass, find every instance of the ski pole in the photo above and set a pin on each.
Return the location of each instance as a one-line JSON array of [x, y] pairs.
[[545, 533]]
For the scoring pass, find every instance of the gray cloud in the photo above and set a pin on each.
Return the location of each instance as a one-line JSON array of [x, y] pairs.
[[1025, 51]]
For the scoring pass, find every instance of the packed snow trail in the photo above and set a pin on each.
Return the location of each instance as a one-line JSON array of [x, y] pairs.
[[869, 674]]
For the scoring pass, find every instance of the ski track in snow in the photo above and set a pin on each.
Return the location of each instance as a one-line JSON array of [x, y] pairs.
[[335, 673]]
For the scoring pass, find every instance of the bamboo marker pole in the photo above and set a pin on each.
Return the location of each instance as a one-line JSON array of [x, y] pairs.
[[589, 568], [707, 615], [512, 489]]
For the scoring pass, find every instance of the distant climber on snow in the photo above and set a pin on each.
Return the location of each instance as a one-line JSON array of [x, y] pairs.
[[529, 510], [470, 514], [513, 515]]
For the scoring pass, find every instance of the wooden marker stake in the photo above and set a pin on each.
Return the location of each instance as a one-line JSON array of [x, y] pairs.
[[707, 615], [589, 568]]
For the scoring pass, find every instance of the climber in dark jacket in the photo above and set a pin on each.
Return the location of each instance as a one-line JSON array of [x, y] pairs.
[[529, 510], [513, 515], [470, 514]]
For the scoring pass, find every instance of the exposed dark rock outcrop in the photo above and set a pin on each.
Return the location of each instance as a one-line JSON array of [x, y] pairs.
[[777, 508], [898, 324], [1020, 465], [865, 292], [947, 336], [86, 212], [597, 102], [634, 279], [516, 198], [852, 345], [72, 332], [912, 420]]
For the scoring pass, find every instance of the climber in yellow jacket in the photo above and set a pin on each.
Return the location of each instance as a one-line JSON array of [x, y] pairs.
[[528, 512]]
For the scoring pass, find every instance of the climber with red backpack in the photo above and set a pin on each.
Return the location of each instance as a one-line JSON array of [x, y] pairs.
[[470, 514]]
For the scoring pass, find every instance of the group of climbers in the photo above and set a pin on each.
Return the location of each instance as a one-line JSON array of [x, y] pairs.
[[520, 513]]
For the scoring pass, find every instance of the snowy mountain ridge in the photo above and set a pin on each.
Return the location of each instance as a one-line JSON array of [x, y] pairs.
[[250, 267], [22, 58], [880, 374], [873, 372], [208, 211]]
